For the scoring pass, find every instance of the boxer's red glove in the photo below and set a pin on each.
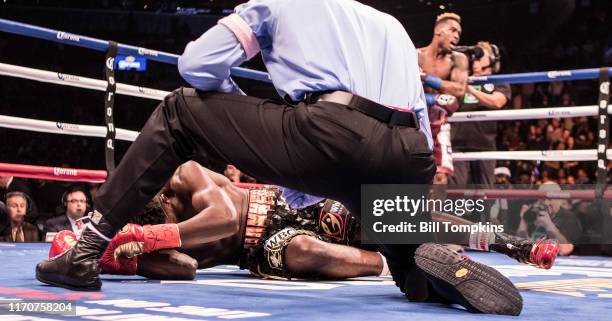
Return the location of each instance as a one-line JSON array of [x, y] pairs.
[[62, 242], [110, 264], [136, 239], [448, 102]]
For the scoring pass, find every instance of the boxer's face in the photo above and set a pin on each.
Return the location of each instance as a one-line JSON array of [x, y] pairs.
[[449, 34]]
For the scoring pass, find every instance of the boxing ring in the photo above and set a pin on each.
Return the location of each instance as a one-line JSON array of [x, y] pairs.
[[574, 287]]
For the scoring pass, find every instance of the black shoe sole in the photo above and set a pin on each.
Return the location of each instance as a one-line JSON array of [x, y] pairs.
[[477, 287], [91, 288]]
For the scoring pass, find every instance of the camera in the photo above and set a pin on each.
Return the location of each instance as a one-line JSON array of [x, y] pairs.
[[472, 52], [534, 210]]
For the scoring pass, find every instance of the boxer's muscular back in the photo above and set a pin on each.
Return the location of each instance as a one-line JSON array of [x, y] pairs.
[[198, 187]]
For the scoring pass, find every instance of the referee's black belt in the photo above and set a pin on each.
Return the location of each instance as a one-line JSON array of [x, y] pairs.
[[387, 115]]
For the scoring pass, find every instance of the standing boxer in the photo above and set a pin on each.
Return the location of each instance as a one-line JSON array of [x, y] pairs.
[[443, 72]]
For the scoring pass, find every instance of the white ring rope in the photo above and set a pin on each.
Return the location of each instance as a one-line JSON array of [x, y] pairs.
[[89, 83], [51, 127], [128, 135], [78, 81], [100, 131], [535, 155], [526, 114]]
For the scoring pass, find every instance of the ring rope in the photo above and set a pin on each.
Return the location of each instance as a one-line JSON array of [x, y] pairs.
[[51, 127], [534, 155], [526, 114], [99, 176], [102, 45], [53, 173], [83, 82], [525, 194], [96, 44], [128, 135], [143, 92], [540, 76], [78, 81]]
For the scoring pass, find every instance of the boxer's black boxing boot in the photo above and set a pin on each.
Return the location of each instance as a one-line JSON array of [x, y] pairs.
[[78, 269], [477, 287]]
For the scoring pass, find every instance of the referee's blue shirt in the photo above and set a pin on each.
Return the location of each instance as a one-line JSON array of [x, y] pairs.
[[315, 45]]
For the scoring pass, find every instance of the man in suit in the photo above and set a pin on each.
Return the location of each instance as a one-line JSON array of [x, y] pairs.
[[20, 230], [74, 203]]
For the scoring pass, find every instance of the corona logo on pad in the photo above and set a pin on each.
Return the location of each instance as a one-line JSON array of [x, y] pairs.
[[67, 36], [479, 78], [555, 74], [147, 52], [470, 116], [559, 113], [57, 171], [67, 77], [61, 125]]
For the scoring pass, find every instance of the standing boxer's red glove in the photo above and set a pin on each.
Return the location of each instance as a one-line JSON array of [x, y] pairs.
[[448, 102], [136, 239], [62, 242]]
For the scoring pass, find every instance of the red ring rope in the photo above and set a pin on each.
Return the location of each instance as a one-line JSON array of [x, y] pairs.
[[99, 176]]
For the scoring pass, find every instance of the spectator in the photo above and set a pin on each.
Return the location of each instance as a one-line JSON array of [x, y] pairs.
[[74, 204], [582, 177], [551, 218], [20, 230], [11, 184]]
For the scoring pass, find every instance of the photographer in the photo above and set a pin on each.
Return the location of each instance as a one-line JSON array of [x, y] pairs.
[[479, 136], [552, 219]]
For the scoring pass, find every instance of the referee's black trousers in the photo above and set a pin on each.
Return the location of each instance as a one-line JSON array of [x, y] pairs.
[[324, 149]]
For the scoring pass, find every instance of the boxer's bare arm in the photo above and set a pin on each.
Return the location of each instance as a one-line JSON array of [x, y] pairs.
[[453, 69], [167, 265], [216, 216], [457, 84]]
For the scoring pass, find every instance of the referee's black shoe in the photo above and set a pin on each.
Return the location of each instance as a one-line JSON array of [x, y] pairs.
[[458, 279]]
